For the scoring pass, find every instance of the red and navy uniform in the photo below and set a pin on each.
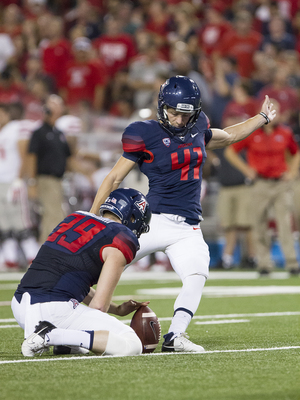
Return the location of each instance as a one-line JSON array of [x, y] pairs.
[[70, 261], [172, 165]]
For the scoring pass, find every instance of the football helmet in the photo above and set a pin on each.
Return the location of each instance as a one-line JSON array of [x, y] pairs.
[[182, 94], [131, 207]]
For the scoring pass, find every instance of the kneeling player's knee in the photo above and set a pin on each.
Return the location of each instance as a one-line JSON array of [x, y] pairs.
[[133, 344], [127, 344]]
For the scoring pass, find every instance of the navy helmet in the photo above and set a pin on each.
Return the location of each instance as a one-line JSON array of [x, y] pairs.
[[182, 94], [131, 207]]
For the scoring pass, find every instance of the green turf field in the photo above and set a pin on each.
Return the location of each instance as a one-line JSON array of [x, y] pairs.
[[249, 326]]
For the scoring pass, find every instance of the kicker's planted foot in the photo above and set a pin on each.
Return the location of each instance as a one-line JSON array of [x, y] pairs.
[[180, 343]]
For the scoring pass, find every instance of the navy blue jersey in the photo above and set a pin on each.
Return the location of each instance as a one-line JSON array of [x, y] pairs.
[[70, 261], [173, 166]]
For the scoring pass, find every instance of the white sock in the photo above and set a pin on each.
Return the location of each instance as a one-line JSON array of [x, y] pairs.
[[180, 322], [187, 302], [70, 337]]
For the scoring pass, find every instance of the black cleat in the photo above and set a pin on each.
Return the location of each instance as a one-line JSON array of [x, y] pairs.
[[168, 344], [60, 350]]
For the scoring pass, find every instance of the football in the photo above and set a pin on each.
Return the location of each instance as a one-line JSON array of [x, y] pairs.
[[146, 325]]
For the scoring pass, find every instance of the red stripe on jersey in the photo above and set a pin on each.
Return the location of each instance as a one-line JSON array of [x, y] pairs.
[[133, 144], [125, 248], [122, 243]]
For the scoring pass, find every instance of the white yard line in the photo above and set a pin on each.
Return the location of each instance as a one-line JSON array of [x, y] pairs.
[[223, 291], [222, 321], [9, 326], [147, 355], [208, 291], [7, 320], [8, 286], [128, 276], [5, 303]]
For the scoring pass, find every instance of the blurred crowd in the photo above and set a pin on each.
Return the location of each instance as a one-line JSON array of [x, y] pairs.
[[109, 58]]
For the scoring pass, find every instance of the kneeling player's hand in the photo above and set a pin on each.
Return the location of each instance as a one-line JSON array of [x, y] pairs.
[[130, 306]]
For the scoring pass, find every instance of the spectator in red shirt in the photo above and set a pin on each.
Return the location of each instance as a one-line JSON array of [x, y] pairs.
[[241, 43], [84, 79], [267, 167], [56, 51], [115, 48], [214, 28]]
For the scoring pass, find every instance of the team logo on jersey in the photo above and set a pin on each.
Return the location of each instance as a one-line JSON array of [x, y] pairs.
[[141, 205], [75, 303], [166, 141]]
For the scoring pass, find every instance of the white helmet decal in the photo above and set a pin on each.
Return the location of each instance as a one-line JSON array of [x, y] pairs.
[[141, 205], [185, 107]]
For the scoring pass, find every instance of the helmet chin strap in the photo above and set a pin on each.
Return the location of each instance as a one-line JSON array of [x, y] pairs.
[[180, 132]]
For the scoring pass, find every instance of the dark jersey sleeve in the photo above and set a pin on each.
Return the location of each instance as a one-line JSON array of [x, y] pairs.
[[133, 142]]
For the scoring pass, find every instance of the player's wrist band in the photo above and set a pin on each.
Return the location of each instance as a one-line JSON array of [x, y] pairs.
[[265, 117]]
